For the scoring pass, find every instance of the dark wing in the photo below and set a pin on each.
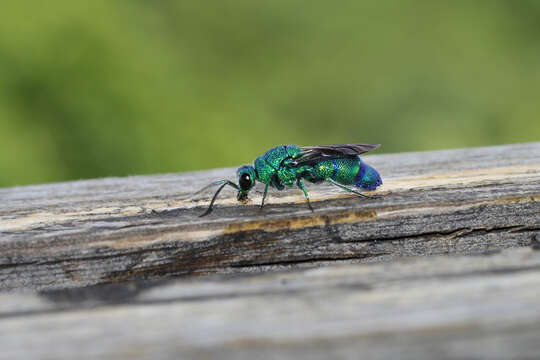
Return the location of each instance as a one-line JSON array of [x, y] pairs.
[[311, 154]]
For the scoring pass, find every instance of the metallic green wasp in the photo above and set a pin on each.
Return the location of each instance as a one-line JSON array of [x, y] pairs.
[[291, 164]]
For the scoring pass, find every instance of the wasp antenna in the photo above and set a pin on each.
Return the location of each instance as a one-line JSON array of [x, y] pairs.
[[209, 210], [224, 183], [207, 187]]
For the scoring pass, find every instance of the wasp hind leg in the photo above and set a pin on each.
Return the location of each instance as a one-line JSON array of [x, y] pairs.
[[300, 184], [351, 190]]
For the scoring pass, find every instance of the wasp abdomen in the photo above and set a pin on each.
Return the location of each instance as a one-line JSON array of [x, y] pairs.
[[367, 177], [348, 171]]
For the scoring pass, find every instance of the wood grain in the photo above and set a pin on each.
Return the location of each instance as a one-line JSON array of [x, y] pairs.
[[111, 230], [462, 307]]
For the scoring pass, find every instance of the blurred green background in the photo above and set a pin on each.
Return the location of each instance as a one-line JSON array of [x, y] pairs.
[[111, 88]]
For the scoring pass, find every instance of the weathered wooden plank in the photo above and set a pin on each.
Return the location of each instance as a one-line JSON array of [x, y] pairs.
[[479, 307], [109, 230]]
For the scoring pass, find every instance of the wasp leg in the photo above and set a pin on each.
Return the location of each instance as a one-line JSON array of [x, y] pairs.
[[264, 195], [351, 190], [300, 184]]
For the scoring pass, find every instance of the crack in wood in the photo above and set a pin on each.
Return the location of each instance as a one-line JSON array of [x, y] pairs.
[[451, 234]]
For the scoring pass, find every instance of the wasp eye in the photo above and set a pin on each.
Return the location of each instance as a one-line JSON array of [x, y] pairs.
[[244, 181]]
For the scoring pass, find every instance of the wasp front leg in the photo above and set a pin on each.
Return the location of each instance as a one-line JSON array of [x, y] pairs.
[[264, 195]]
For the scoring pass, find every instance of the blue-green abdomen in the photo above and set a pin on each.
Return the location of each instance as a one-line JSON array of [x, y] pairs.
[[347, 171]]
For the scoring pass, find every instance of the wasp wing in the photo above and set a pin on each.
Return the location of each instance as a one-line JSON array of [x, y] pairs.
[[312, 154]]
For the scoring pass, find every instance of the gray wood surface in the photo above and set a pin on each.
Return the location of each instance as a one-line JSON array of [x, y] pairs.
[[112, 230], [439, 307]]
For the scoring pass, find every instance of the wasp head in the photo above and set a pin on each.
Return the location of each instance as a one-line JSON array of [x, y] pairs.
[[246, 179]]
